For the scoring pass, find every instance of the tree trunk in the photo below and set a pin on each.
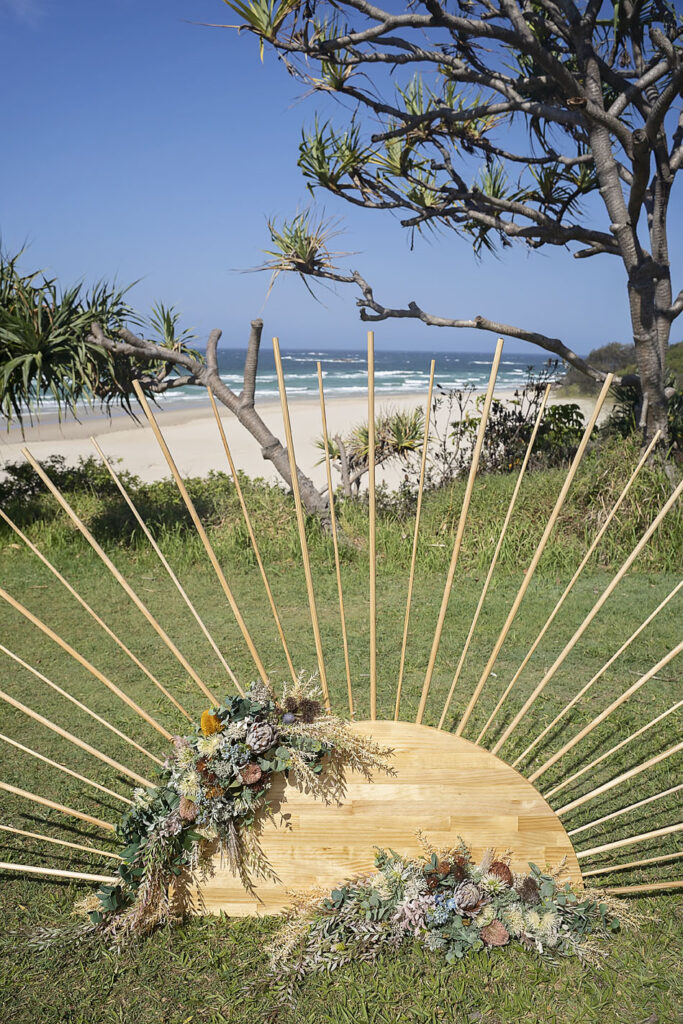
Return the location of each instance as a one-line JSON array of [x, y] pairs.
[[271, 448], [650, 359]]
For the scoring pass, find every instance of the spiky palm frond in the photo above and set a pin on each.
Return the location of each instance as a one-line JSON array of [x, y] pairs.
[[44, 350]]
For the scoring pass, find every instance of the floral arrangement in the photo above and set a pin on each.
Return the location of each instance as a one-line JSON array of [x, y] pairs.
[[446, 902], [213, 796]]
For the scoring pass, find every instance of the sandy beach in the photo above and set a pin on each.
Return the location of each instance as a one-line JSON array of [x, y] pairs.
[[191, 434]]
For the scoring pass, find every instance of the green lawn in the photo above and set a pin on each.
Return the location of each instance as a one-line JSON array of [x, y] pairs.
[[210, 970]]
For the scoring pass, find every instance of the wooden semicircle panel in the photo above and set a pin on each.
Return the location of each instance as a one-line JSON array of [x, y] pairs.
[[444, 785]]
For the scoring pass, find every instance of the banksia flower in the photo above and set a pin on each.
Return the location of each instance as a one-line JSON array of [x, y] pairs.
[[495, 934], [210, 724]]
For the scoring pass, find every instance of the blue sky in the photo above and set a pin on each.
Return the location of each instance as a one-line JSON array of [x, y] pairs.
[[139, 145]]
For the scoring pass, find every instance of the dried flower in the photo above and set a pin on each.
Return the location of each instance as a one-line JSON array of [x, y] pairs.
[[261, 736], [528, 891], [309, 710], [208, 745], [495, 934], [210, 723], [502, 871], [251, 774], [187, 809], [466, 896]]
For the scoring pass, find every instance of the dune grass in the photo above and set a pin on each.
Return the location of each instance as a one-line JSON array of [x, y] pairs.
[[211, 970]]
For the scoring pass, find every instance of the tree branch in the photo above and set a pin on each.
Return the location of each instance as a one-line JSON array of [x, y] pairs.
[[207, 375], [413, 312], [251, 364]]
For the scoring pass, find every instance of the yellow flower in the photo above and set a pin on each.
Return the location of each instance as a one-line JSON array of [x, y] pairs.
[[210, 723]]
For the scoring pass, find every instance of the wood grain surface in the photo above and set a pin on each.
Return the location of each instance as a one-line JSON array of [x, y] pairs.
[[445, 785]]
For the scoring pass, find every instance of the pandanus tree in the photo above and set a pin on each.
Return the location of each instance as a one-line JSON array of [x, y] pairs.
[[77, 345], [536, 122]]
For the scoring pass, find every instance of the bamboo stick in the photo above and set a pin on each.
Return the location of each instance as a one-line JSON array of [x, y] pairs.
[[461, 529], [335, 541], [416, 531], [67, 771], [496, 553], [607, 712], [625, 810], [164, 561], [301, 522], [631, 841], [624, 777], [34, 798], [597, 675], [632, 864], [252, 537], [140, 779], [78, 704], [203, 536], [120, 579], [582, 565], [84, 662], [569, 646], [629, 739], [59, 873], [93, 614], [625, 890], [61, 842], [372, 525], [528, 576]]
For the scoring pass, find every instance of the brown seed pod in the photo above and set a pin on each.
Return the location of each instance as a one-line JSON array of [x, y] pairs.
[[528, 891], [495, 934], [502, 871], [187, 809], [251, 774]]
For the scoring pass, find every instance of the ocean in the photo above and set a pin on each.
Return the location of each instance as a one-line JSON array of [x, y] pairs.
[[345, 371]]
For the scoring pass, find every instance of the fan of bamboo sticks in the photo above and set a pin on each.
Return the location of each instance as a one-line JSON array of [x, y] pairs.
[[445, 783]]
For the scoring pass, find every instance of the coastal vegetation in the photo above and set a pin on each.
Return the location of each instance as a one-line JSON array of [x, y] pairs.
[[537, 124], [209, 969]]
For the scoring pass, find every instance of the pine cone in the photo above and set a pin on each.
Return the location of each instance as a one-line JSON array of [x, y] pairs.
[[495, 934], [260, 737], [466, 896], [433, 882], [528, 891], [291, 705], [251, 774], [502, 871]]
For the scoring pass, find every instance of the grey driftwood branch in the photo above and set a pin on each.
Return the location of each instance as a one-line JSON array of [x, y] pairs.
[[206, 374]]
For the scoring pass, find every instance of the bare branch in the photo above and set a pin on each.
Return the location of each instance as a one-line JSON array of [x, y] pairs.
[[676, 307], [251, 364], [413, 312]]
